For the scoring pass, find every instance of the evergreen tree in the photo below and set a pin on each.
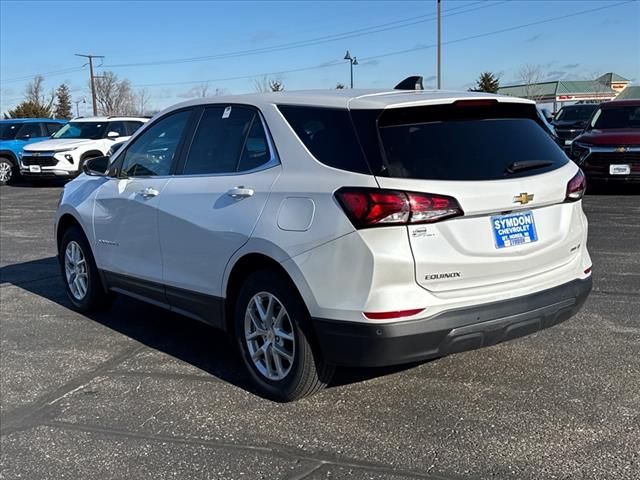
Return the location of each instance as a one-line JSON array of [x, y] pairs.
[[29, 109], [487, 82], [63, 103]]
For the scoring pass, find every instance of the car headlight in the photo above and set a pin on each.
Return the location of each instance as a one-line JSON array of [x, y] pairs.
[[579, 151]]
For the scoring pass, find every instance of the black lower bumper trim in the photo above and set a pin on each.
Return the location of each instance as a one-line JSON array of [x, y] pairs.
[[370, 345]]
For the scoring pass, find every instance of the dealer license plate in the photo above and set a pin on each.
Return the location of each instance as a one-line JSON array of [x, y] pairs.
[[514, 229], [619, 169], [34, 169]]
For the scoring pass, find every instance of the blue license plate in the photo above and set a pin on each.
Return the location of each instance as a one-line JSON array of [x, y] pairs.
[[514, 229]]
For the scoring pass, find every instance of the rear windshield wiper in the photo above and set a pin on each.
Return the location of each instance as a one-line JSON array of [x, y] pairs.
[[527, 165]]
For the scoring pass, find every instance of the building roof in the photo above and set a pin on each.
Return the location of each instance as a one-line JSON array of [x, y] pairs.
[[560, 87], [347, 98], [632, 92], [609, 78]]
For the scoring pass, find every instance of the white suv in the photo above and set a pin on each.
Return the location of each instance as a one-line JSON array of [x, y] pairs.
[[75, 143], [335, 228]]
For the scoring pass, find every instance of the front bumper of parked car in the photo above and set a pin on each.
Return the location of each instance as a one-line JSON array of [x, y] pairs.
[[371, 345]]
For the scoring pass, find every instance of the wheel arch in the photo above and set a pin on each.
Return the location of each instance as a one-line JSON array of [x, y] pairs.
[[245, 265], [9, 155], [65, 222]]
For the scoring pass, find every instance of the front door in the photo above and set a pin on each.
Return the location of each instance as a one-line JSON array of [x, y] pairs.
[[126, 209]]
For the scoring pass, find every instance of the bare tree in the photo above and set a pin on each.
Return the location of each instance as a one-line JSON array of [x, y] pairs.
[[266, 84], [276, 85], [143, 98], [34, 93], [114, 96], [530, 76], [202, 90]]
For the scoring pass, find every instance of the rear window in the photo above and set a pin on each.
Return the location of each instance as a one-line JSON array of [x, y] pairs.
[[575, 114], [466, 143], [328, 134]]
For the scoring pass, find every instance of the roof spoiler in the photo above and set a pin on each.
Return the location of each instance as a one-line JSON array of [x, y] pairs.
[[410, 83]]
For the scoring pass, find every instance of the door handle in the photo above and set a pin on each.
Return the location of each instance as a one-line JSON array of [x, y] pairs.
[[148, 192], [240, 192]]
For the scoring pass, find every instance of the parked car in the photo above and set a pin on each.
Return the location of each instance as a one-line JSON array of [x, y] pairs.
[[332, 228], [571, 120], [15, 133], [609, 148], [81, 139], [549, 128]]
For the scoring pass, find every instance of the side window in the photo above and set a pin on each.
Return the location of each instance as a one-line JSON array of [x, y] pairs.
[[52, 128], [118, 127], [30, 130], [219, 140], [256, 148], [132, 127], [152, 153]]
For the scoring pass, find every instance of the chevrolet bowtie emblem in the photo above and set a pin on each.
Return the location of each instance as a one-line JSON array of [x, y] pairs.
[[36, 154], [523, 198]]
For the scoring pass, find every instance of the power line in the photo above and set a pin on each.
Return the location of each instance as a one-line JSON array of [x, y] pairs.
[[397, 52], [314, 41]]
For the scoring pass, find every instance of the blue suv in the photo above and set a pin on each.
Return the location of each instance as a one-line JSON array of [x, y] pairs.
[[15, 134]]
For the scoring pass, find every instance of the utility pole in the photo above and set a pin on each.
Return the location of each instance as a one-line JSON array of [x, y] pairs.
[[93, 82], [439, 56]]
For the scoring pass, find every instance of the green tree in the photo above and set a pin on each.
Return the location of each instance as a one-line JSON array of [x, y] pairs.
[[63, 103], [29, 109], [487, 82]]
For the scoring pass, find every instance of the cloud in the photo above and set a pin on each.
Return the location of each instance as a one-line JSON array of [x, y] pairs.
[[570, 66], [263, 36], [555, 75], [370, 63], [534, 37]]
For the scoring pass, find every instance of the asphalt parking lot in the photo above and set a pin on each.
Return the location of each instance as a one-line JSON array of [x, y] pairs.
[[140, 393]]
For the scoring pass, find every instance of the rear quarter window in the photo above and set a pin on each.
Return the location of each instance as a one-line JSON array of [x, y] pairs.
[[329, 135]]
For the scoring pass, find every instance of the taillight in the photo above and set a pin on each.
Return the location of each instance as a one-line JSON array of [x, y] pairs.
[[374, 207], [394, 314], [576, 187]]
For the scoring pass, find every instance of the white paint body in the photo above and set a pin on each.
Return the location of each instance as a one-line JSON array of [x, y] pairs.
[[192, 233]]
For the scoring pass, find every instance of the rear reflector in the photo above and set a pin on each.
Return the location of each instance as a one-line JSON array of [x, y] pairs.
[[389, 315], [588, 270], [576, 187], [374, 207]]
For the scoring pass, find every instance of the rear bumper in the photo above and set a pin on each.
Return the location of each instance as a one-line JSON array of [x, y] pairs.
[[371, 345]]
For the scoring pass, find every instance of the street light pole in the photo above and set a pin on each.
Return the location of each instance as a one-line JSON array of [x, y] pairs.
[[352, 61], [77, 102], [439, 55]]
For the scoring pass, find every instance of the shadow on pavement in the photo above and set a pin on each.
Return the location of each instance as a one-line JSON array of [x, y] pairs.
[[603, 188], [200, 345]]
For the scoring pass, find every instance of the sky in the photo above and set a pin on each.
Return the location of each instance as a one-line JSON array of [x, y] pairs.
[[173, 48]]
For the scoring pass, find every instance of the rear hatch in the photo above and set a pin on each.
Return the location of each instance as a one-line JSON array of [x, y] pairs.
[[495, 163]]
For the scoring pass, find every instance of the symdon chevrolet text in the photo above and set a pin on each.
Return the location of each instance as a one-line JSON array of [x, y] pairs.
[[78, 141], [335, 228]]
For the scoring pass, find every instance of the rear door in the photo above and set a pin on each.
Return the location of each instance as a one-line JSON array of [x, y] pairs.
[[209, 210], [509, 178]]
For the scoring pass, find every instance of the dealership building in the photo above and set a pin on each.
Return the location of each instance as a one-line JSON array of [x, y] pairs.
[[604, 88]]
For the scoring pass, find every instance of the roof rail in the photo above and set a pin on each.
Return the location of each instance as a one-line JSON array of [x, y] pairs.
[[410, 83]]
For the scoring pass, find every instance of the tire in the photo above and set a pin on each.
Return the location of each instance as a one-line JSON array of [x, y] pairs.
[[306, 374], [7, 171], [93, 297]]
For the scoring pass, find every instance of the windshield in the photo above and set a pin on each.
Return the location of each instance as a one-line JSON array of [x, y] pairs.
[[8, 130], [575, 114], [90, 130], [616, 117]]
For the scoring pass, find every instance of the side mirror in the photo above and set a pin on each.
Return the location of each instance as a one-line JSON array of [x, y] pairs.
[[96, 167], [113, 134]]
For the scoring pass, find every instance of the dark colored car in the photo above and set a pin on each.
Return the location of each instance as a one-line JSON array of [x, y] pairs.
[[609, 148], [571, 120]]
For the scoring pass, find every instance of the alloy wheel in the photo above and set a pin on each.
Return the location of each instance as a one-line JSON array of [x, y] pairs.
[[269, 336], [5, 172], [75, 268]]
